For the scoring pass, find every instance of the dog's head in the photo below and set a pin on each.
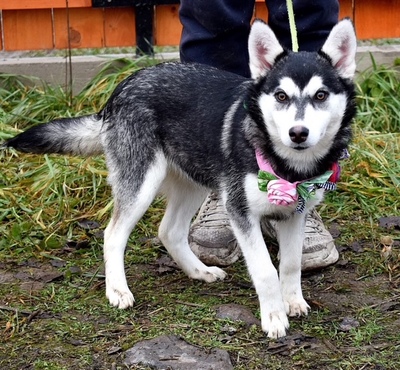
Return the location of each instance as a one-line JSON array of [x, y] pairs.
[[305, 100]]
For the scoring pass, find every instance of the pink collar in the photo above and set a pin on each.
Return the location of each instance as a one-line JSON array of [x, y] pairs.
[[284, 193], [263, 164]]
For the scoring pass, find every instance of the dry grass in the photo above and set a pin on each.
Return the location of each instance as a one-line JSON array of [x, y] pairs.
[[43, 197]]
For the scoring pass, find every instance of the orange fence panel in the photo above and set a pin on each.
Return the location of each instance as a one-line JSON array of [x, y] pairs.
[[119, 27], [346, 9], [168, 28], [42, 24], [27, 29], [43, 4], [377, 19], [260, 11], [85, 26]]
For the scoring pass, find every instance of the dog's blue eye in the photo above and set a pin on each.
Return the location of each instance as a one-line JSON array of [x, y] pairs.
[[321, 95], [281, 97]]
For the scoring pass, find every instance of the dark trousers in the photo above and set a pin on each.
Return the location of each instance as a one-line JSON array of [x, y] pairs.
[[215, 32]]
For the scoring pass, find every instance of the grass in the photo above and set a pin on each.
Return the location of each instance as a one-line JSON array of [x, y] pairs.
[[43, 199]]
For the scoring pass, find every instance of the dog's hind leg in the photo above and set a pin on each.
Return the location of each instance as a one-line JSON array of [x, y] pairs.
[[131, 202], [184, 198]]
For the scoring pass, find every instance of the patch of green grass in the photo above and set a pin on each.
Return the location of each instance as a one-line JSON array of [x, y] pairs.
[[370, 184]]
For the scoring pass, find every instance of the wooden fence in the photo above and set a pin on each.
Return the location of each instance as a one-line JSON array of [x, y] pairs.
[[44, 24]]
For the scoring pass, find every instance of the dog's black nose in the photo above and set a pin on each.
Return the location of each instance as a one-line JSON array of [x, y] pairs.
[[298, 134]]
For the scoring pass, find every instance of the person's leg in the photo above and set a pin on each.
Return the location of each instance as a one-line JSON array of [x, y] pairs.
[[314, 20], [215, 33]]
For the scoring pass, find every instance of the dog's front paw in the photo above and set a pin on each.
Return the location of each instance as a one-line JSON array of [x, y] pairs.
[[275, 324], [208, 274], [296, 307], [118, 297]]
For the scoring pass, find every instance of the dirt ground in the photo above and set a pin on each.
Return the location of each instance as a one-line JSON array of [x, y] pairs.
[[354, 322]]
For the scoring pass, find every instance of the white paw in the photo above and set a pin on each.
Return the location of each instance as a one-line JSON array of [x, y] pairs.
[[296, 307], [275, 324], [208, 274], [121, 298]]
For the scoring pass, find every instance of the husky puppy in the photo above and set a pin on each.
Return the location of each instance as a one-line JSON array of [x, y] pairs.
[[183, 129]]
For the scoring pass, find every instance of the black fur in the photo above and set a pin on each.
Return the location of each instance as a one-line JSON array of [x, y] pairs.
[[188, 128], [147, 103]]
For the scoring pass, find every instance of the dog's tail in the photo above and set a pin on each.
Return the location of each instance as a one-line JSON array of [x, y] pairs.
[[75, 136]]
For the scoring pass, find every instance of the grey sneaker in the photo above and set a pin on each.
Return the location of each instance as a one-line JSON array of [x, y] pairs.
[[211, 237], [319, 249]]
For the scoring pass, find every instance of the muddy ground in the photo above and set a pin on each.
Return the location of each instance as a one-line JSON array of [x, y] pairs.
[[53, 313]]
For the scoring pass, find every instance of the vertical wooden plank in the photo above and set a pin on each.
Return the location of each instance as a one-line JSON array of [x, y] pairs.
[[346, 9], [43, 4], [168, 28], [27, 29], [1, 33], [119, 27], [377, 19], [261, 11], [86, 28]]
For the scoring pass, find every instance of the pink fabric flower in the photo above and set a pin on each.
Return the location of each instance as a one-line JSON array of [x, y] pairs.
[[336, 173], [281, 192]]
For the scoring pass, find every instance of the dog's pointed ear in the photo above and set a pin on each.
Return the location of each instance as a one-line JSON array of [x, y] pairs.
[[264, 47], [341, 47]]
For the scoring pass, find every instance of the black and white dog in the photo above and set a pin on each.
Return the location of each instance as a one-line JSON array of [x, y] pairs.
[[269, 145]]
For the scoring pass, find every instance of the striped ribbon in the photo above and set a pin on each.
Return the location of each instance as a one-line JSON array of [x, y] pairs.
[[283, 192]]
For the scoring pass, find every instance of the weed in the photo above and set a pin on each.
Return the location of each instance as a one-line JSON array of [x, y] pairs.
[[66, 322]]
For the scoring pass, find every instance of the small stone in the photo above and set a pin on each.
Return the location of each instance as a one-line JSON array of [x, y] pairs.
[[236, 312], [88, 224], [349, 323], [228, 329], [391, 222]]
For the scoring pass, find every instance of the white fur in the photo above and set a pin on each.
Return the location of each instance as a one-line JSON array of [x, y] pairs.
[[119, 228], [89, 132], [228, 119], [323, 122], [278, 296], [341, 46], [264, 47], [184, 198]]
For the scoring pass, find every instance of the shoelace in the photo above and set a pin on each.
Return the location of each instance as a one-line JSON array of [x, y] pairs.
[[213, 212]]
